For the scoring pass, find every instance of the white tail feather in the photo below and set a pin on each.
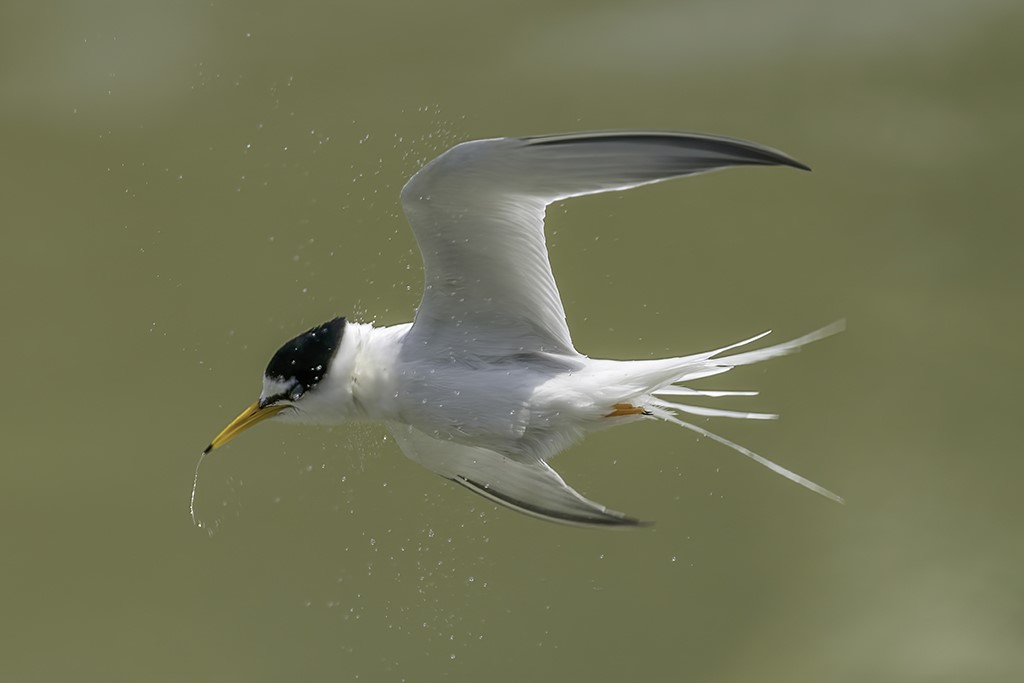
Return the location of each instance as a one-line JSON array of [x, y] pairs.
[[687, 391], [718, 412], [705, 368], [667, 378], [707, 364], [782, 349], [697, 357], [664, 414]]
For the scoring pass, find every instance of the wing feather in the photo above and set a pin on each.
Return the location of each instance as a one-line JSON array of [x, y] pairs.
[[530, 487], [477, 212]]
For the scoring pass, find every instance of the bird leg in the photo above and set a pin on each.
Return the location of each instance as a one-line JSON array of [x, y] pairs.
[[623, 409]]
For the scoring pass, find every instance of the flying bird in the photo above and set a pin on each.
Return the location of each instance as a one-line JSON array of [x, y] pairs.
[[485, 385]]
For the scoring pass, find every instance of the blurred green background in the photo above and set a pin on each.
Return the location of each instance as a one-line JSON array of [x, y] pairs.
[[186, 185]]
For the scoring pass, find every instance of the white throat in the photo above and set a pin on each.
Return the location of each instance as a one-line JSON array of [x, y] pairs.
[[361, 382]]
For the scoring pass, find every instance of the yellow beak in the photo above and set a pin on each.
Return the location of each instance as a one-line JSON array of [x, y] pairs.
[[248, 418]]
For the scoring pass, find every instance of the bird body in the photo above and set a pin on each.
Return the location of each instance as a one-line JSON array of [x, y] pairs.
[[485, 385]]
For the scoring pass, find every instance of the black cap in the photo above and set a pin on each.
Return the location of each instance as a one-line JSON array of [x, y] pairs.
[[303, 361]]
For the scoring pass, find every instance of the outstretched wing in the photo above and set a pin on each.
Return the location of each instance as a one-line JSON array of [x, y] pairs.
[[478, 215], [530, 487]]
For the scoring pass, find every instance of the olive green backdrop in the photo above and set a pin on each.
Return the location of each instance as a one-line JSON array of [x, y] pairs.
[[186, 185]]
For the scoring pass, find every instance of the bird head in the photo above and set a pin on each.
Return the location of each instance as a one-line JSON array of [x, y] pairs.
[[293, 383]]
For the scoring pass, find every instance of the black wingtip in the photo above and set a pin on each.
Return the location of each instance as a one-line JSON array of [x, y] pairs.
[[626, 523], [757, 155], [728, 151], [622, 521], [598, 517]]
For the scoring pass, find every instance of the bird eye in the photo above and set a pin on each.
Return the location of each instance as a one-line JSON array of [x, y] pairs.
[[297, 393], [274, 399]]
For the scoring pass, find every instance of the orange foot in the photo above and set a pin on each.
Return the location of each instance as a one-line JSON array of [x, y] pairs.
[[623, 409]]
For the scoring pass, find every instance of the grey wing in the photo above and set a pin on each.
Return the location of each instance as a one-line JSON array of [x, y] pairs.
[[532, 487], [477, 212]]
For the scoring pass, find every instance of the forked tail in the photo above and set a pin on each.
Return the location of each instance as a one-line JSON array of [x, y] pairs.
[[663, 398]]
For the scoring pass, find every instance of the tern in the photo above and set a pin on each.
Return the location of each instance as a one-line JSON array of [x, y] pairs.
[[485, 385]]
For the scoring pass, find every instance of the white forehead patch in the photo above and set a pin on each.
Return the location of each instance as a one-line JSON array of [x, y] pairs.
[[275, 387]]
